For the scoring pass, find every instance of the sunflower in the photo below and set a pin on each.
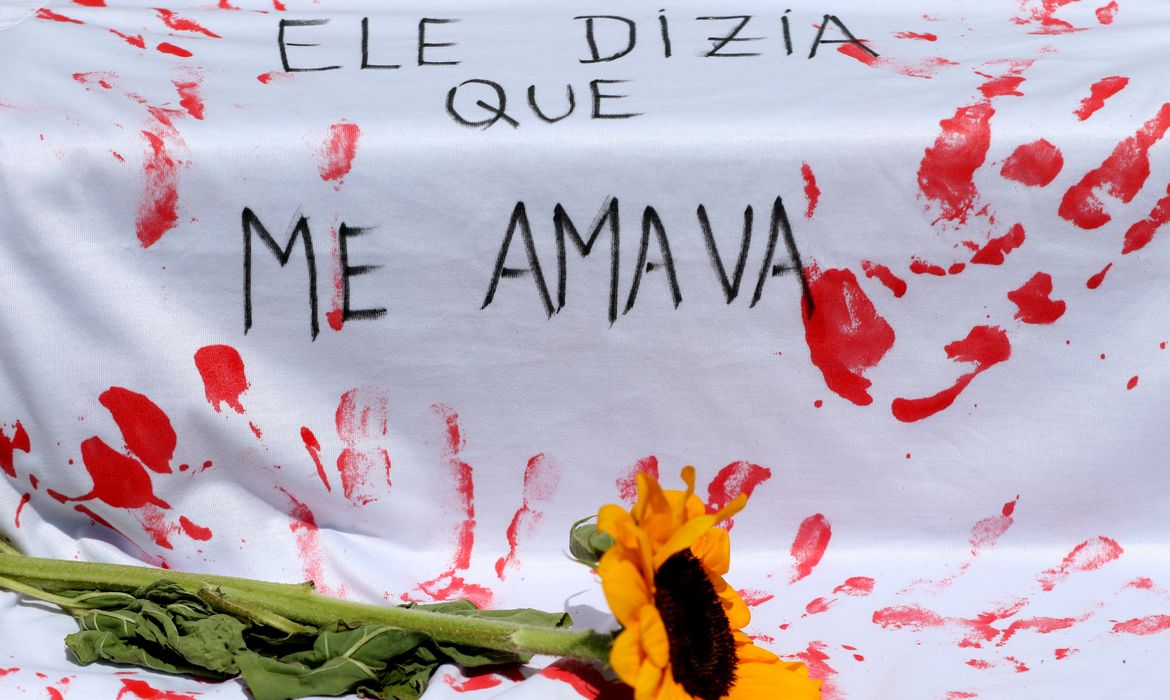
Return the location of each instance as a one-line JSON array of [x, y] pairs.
[[682, 623]]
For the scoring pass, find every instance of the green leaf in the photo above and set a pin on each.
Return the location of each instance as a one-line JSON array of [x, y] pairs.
[[587, 543], [161, 627], [337, 663]]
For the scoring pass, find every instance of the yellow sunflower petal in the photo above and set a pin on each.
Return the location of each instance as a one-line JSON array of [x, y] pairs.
[[626, 589], [684, 537], [774, 680], [648, 682], [737, 611], [626, 657], [652, 512], [655, 643], [747, 651], [670, 689], [713, 550], [614, 521], [694, 507]]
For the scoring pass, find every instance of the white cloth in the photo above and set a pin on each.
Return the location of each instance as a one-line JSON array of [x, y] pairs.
[[1007, 544]]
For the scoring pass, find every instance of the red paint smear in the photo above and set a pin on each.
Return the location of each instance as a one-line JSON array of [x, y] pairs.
[[195, 532], [362, 421], [856, 52], [845, 334], [308, 539], [277, 76], [541, 477], [102, 78], [90, 3], [1151, 624], [6, 671], [9, 445], [222, 370], [1100, 91], [987, 531], [189, 97], [812, 538], [146, 430], [856, 586], [627, 485], [135, 40], [1086, 556], [979, 664], [46, 13], [946, 174], [314, 449], [1035, 164], [977, 630], [456, 588], [54, 694], [956, 268], [166, 47], [144, 555], [182, 24], [157, 211], [118, 480], [336, 316], [926, 68], [816, 659], [960, 695], [894, 283], [1143, 231], [731, 481], [1003, 86], [1106, 14], [278, 5], [464, 486], [584, 678], [819, 605], [926, 36], [984, 345], [752, 597], [1096, 280], [24, 499], [913, 617], [143, 690], [481, 682], [920, 267], [339, 151], [994, 251], [811, 192], [1040, 625], [154, 522], [1064, 653], [1044, 14], [1133, 381], [1033, 300], [1144, 583], [1122, 174]]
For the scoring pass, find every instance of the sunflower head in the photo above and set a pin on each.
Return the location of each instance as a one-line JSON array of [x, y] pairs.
[[682, 622]]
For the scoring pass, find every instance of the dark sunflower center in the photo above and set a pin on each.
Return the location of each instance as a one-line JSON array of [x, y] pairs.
[[702, 648]]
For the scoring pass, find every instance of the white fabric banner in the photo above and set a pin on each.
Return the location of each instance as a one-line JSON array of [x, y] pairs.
[[386, 295]]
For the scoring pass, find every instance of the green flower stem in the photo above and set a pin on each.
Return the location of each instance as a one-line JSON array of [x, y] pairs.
[[300, 604]]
